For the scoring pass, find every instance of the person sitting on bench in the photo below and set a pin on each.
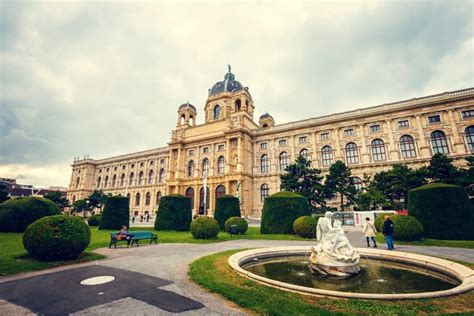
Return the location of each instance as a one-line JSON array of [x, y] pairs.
[[124, 234]]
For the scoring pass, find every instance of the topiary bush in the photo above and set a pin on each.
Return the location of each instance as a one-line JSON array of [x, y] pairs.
[[305, 226], [174, 213], [407, 228], [116, 213], [241, 224], [17, 214], [444, 210], [94, 220], [280, 211], [227, 206], [59, 237], [204, 228]]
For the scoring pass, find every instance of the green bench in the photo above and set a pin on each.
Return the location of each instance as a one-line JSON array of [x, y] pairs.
[[135, 237]]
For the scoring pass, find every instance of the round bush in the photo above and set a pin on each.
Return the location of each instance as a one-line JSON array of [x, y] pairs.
[[305, 226], [94, 220], [116, 213], [17, 214], [444, 211], [174, 213], [59, 237], [227, 206], [280, 211], [241, 224], [204, 228], [407, 228]]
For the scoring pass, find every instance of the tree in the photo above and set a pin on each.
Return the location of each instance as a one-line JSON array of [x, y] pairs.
[[58, 198], [339, 181], [442, 170], [370, 199], [3, 193], [466, 176], [300, 178], [80, 206], [96, 200]]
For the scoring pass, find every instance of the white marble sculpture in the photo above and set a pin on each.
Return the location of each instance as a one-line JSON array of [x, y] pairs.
[[333, 254]]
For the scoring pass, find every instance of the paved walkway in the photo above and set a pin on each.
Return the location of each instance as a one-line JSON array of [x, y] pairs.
[[165, 266]]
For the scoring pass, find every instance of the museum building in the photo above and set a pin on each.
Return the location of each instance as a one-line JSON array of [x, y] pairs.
[[230, 153]]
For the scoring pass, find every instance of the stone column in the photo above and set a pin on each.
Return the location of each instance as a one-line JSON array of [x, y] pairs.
[[365, 156], [424, 148], [239, 154], [392, 148], [228, 157], [337, 144], [458, 143]]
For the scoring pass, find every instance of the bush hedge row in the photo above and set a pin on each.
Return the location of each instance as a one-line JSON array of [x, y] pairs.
[[174, 213], [227, 206], [305, 226], [116, 213]]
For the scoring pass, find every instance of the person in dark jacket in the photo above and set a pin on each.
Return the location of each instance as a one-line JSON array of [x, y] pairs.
[[388, 231]]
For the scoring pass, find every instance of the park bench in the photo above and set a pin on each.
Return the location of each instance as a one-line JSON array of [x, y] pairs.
[[136, 236]]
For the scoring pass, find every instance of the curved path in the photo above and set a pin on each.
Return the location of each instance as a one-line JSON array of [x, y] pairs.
[[151, 280]]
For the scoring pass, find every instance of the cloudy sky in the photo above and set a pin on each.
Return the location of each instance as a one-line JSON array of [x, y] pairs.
[[106, 78]]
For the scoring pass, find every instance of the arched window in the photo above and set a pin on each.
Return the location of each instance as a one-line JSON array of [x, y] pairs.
[[220, 165], [264, 192], [352, 155], [378, 150], [140, 178], [130, 181], [238, 105], [327, 156], [122, 180], [137, 199], [73, 199], [407, 146], [99, 181], [469, 131], [161, 175], [128, 196], [304, 153], [114, 180], [264, 163], [106, 181], [190, 168], [284, 160], [189, 193], [151, 175], [158, 197], [217, 112], [220, 191], [439, 143], [205, 167], [357, 183], [77, 182], [147, 198]]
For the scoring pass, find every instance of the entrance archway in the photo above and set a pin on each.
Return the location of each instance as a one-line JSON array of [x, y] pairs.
[[201, 201], [190, 194]]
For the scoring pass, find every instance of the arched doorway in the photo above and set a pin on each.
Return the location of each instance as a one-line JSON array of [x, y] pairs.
[[190, 194], [203, 211], [220, 191]]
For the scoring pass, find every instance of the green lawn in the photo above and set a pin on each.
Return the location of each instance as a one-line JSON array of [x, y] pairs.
[[431, 242], [213, 273]]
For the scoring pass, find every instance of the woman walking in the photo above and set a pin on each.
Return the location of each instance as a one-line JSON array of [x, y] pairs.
[[369, 232]]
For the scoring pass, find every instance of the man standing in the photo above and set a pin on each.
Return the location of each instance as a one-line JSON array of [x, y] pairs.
[[388, 231]]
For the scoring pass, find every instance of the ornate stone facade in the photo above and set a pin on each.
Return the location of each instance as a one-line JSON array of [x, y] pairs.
[[245, 158]]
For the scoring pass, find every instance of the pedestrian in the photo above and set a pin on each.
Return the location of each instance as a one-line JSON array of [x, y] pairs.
[[133, 219], [369, 232], [147, 217], [388, 231], [141, 218]]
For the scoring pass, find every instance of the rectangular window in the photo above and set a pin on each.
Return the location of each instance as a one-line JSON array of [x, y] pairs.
[[115, 168], [205, 150], [141, 164], [162, 161], [434, 119], [303, 139], [220, 147], [349, 132], [282, 142], [468, 113], [191, 152], [324, 136], [404, 123], [374, 128], [263, 145], [151, 163]]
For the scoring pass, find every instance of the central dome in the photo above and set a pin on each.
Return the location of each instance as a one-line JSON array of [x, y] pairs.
[[229, 84]]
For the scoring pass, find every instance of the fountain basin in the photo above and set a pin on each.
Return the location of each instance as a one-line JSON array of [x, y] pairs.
[[457, 273]]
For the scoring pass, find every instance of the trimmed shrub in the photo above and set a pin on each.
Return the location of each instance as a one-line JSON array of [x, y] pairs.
[[407, 228], [305, 226], [174, 213], [444, 210], [280, 211], [204, 228], [241, 224], [227, 206], [94, 220], [59, 237], [116, 213], [17, 214]]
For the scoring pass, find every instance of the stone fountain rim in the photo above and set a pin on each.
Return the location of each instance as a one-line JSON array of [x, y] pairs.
[[460, 272]]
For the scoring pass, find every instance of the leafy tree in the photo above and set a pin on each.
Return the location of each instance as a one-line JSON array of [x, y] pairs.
[[58, 198], [370, 198], [304, 180], [442, 170], [3, 193], [339, 181], [96, 200], [466, 176], [80, 206]]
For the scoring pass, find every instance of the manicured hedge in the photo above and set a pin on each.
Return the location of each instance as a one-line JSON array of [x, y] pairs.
[[280, 211], [94, 220], [205, 228], [59, 237], [116, 213], [305, 226], [227, 206], [17, 214], [174, 213], [444, 211], [241, 224], [407, 228]]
